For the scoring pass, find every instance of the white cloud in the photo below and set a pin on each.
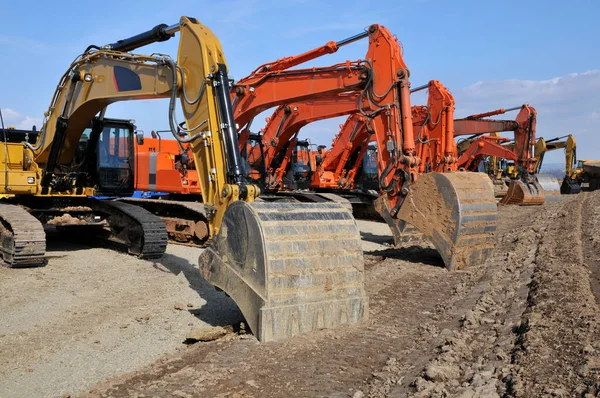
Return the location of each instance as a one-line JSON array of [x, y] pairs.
[[19, 121], [565, 105]]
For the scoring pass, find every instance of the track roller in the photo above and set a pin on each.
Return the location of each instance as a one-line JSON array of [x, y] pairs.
[[290, 267], [456, 211]]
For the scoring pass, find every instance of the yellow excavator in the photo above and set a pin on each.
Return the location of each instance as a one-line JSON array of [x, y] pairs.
[[569, 183], [291, 267]]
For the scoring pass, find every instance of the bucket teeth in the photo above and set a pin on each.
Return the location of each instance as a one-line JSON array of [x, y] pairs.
[[290, 267], [456, 211]]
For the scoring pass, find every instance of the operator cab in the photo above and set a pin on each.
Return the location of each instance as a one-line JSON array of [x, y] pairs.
[[300, 169], [111, 143], [368, 175], [254, 160]]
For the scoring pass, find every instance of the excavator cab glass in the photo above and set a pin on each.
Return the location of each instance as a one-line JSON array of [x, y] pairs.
[[115, 159], [301, 171], [369, 173], [254, 159]]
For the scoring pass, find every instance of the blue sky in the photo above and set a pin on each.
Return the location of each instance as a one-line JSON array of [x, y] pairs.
[[489, 54]]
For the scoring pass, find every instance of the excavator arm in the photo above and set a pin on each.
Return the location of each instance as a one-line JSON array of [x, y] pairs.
[[287, 121], [525, 190], [569, 184], [484, 146], [335, 171], [268, 257], [435, 124], [199, 79], [382, 81]]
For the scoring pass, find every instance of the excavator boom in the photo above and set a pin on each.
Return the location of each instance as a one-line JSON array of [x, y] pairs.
[[525, 190], [290, 267], [382, 81]]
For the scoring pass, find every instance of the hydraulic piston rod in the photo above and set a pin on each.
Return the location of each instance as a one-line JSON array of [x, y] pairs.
[[328, 48], [419, 88], [500, 111], [352, 39], [159, 33]]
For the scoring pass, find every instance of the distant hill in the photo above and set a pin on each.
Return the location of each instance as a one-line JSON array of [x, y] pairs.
[[556, 169]]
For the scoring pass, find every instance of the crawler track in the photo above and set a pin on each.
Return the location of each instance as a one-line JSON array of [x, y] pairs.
[[23, 241], [144, 233], [186, 221]]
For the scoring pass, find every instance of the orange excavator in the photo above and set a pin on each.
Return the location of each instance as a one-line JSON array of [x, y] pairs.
[[480, 147], [527, 188], [434, 142], [342, 162], [164, 165], [337, 168], [456, 210], [280, 135]]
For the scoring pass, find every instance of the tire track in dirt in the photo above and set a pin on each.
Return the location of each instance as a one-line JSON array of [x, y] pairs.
[[591, 240], [409, 298], [558, 343], [517, 325], [471, 354], [411, 304], [404, 297]]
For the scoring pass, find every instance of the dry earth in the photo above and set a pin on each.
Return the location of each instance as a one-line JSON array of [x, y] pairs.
[[524, 324]]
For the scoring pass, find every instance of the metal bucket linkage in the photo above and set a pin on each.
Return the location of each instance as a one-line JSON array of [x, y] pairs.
[[290, 267]]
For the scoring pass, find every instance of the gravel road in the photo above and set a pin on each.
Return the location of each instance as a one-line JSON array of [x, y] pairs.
[[524, 324]]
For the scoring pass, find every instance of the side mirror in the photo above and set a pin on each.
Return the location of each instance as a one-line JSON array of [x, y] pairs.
[[139, 138]]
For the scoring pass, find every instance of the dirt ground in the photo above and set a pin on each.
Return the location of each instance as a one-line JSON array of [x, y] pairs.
[[524, 324]]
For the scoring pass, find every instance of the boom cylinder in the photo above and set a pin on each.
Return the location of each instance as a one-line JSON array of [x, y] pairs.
[[500, 111], [159, 33], [235, 167], [352, 39], [419, 88], [328, 48]]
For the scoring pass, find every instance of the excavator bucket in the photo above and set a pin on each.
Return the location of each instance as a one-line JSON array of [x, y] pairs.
[[290, 267], [569, 187], [500, 188], [550, 185], [456, 211], [524, 194]]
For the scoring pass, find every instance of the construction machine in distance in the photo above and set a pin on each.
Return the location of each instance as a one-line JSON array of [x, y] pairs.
[[527, 188], [290, 267], [489, 151], [587, 174], [569, 183], [463, 203]]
